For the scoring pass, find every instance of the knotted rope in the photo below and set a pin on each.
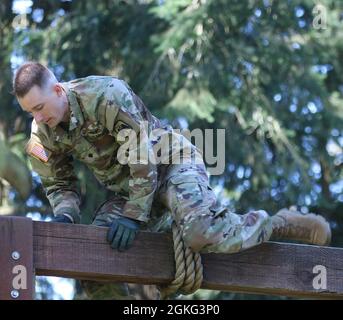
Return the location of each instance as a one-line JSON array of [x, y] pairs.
[[188, 268]]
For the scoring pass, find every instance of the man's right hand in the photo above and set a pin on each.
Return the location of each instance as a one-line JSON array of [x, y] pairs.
[[62, 218]]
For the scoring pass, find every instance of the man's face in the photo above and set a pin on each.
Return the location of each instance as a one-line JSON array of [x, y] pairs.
[[47, 105]]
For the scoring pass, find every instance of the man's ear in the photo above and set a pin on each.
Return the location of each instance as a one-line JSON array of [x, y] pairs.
[[58, 89]]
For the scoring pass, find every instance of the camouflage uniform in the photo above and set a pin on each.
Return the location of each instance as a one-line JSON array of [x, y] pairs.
[[100, 108]]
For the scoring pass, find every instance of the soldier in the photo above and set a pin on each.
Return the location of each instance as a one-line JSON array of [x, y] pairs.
[[91, 119]]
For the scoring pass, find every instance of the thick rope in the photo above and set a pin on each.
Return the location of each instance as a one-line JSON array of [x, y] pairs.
[[188, 268]]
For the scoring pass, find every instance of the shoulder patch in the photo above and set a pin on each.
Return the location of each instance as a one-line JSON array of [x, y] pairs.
[[38, 151]]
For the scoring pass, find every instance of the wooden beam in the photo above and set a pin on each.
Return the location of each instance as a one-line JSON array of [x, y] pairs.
[[79, 251], [16, 259]]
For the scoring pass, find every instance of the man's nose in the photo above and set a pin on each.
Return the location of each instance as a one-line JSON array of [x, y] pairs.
[[38, 117]]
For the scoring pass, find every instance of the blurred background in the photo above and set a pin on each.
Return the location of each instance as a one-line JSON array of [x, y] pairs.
[[269, 72]]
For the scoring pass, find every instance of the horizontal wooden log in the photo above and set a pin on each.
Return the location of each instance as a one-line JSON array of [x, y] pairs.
[[79, 251]]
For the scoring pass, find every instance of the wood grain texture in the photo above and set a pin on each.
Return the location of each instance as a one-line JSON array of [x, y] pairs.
[[79, 251]]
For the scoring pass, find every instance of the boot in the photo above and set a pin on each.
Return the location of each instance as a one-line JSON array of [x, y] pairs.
[[306, 228]]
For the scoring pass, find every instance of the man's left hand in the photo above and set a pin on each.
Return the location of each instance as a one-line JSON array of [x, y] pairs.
[[122, 232]]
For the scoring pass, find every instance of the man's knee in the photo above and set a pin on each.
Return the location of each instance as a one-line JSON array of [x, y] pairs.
[[195, 233]]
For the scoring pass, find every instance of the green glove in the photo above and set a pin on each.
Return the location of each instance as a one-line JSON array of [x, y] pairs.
[[122, 232], [61, 218]]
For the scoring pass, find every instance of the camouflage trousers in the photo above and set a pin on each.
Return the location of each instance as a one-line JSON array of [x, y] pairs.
[[185, 196]]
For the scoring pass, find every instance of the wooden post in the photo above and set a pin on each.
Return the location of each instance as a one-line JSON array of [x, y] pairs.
[[16, 259]]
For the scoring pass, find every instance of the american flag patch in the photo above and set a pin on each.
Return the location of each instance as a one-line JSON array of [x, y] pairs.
[[37, 150]]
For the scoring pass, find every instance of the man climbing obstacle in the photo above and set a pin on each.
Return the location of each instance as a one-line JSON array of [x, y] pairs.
[[92, 119]]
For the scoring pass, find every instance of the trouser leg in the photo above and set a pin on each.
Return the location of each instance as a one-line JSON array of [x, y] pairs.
[[97, 290], [206, 225]]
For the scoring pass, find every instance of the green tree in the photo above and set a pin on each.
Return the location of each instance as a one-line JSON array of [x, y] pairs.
[[260, 69]]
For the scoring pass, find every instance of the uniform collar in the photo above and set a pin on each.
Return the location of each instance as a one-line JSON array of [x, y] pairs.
[[76, 116]]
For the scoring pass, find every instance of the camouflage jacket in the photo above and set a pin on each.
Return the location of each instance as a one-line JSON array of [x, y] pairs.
[[100, 107]]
